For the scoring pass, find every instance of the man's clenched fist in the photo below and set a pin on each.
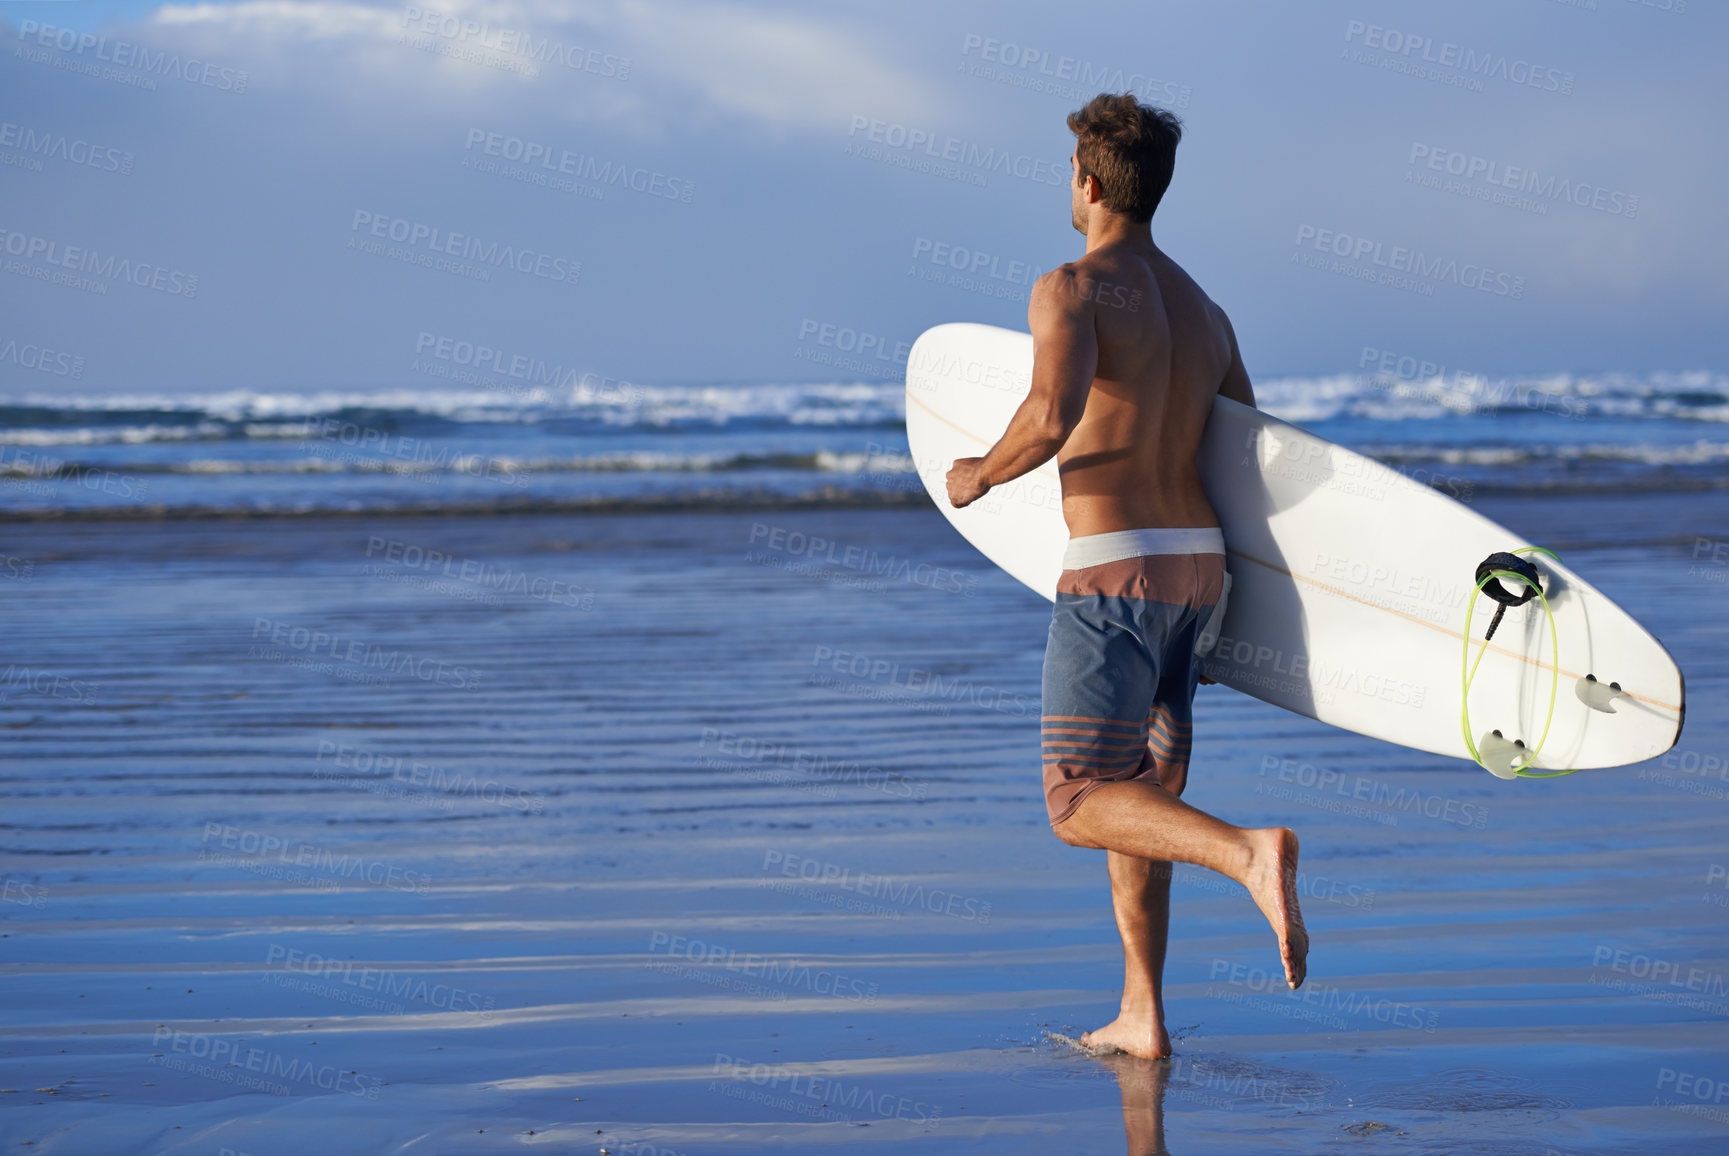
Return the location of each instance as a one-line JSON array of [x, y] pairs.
[[966, 482]]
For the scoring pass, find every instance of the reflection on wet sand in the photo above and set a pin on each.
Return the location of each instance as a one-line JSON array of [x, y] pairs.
[[1142, 1083]]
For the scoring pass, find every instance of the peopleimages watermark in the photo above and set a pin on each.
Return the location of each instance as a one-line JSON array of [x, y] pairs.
[[305, 646], [1717, 874], [1672, 7], [890, 675], [1318, 1001], [1406, 376], [78, 49], [1695, 768], [1242, 661], [974, 270], [850, 350], [364, 986], [1040, 488], [34, 146], [1445, 62], [429, 784], [1515, 186], [26, 471], [1692, 1093], [1225, 1086], [86, 269], [897, 894], [787, 1088], [23, 893], [18, 679], [815, 550], [890, 467], [1068, 77], [431, 247], [726, 967], [228, 1061], [1715, 567], [525, 376], [1653, 977], [415, 560], [1415, 594], [517, 51], [767, 758], [1324, 888], [396, 453], [922, 150], [41, 359], [1396, 266], [932, 365], [1363, 796], [564, 170], [270, 855]]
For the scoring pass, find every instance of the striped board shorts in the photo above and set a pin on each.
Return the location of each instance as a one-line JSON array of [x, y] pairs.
[[1133, 610]]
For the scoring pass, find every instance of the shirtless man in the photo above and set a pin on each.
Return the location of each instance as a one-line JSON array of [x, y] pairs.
[[1127, 355]]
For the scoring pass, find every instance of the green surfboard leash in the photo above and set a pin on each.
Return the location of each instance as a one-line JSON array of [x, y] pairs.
[[1468, 670]]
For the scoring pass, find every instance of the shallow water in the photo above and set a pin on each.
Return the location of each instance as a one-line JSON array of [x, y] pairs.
[[680, 834]]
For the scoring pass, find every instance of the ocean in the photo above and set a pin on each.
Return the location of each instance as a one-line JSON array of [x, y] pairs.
[[552, 440]]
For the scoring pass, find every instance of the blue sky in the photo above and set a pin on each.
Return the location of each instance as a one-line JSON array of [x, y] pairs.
[[1495, 186]]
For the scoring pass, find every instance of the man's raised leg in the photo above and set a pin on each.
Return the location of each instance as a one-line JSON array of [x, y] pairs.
[[1142, 819]]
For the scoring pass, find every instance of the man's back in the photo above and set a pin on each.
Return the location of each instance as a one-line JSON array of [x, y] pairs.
[[1164, 350]]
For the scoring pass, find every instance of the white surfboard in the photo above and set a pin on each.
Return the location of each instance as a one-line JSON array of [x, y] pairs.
[[1349, 580]]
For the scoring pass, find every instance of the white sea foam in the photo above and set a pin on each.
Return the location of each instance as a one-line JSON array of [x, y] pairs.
[[358, 462], [1698, 395]]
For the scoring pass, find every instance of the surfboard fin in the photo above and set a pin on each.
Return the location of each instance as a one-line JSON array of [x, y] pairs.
[[1499, 754], [1598, 695]]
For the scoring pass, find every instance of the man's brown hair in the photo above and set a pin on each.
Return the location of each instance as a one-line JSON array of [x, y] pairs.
[[1130, 147]]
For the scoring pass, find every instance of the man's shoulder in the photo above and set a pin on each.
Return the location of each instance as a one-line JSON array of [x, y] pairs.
[[1074, 281], [1065, 274], [1060, 290], [1174, 278], [1099, 263]]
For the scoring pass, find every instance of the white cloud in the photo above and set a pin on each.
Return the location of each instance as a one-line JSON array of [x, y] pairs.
[[315, 21], [783, 70], [776, 70]]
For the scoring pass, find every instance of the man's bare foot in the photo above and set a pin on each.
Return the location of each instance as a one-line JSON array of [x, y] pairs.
[[1139, 1034], [1272, 884]]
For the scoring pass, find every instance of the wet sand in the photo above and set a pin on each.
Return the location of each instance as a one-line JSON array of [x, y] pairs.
[[680, 834]]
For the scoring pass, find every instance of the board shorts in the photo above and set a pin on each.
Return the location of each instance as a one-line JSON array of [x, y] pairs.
[[1134, 611]]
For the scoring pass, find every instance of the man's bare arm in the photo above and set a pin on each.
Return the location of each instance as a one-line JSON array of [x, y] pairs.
[[1236, 383], [1065, 358]]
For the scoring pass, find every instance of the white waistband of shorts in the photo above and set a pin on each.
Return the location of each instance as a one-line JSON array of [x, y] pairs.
[[1097, 549]]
